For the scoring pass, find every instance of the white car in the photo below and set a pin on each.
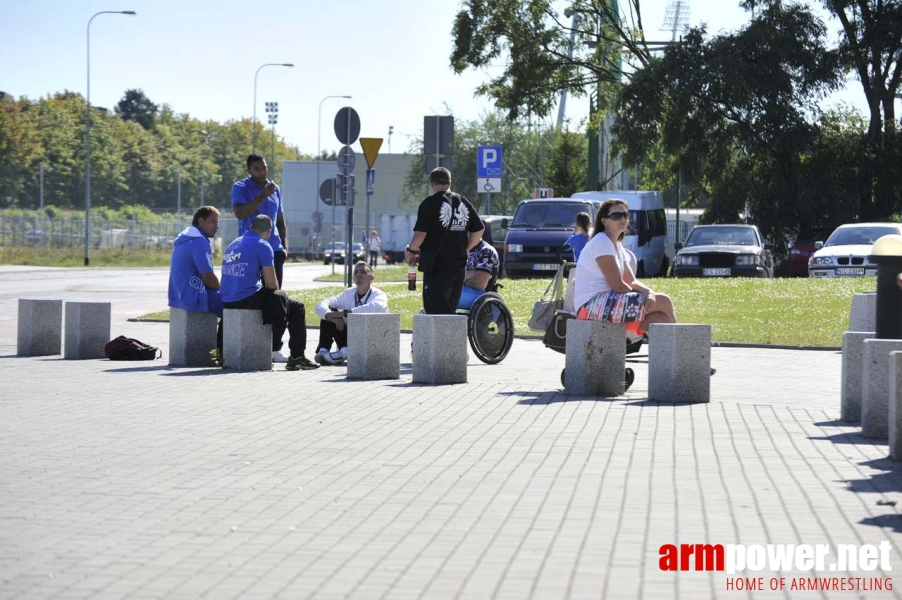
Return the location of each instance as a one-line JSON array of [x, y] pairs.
[[847, 252]]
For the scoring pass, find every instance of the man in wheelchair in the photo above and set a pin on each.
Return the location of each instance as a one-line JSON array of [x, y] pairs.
[[482, 266], [490, 326]]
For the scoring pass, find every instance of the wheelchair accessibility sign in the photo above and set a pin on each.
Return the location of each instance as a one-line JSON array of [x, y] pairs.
[[489, 166]]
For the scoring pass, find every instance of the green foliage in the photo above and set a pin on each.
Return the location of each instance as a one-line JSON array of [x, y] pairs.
[[74, 257], [733, 115], [135, 106], [533, 40], [132, 165], [529, 151]]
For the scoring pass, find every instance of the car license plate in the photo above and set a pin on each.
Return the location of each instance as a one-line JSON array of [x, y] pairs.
[[716, 272], [544, 267], [850, 271]]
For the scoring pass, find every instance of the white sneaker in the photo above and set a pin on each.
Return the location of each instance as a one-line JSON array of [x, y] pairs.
[[278, 357], [333, 358], [320, 355]]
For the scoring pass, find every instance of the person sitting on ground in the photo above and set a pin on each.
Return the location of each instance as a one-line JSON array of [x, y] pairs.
[[580, 236], [606, 288], [482, 266], [246, 261], [333, 312]]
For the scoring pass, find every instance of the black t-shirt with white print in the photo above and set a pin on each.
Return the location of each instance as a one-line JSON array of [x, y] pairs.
[[452, 212]]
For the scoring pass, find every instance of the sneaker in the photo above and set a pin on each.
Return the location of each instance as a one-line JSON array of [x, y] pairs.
[[278, 357], [333, 358], [319, 357], [300, 363]]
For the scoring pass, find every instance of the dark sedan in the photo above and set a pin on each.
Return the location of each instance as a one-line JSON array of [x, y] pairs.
[[724, 251]]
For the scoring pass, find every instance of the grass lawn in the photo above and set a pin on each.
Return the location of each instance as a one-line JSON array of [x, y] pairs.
[[792, 312], [75, 257]]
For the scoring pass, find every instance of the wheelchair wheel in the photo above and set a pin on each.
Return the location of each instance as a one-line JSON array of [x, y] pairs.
[[490, 328]]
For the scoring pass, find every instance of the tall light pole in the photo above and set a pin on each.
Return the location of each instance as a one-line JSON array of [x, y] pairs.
[[254, 122], [319, 129], [88, 136], [272, 111]]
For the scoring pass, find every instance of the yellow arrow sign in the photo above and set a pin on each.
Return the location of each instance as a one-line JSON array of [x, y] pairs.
[[370, 150]]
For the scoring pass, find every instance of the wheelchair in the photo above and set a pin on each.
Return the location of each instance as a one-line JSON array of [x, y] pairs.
[[555, 337], [490, 326]]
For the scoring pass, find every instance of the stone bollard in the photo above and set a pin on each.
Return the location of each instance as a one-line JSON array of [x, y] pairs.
[[679, 362], [895, 405], [246, 341], [863, 313], [374, 346], [191, 337], [875, 381], [87, 329], [850, 394], [439, 349], [40, 329], [595, 358]]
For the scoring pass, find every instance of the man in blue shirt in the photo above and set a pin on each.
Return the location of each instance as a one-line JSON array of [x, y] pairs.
[[193, 285], [245, 262], [256, 195]]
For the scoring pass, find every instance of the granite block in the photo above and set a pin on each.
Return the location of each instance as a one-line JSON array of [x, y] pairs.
[[40, 328]]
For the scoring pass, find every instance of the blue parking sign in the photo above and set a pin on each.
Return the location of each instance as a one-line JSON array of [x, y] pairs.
[[488, 162]]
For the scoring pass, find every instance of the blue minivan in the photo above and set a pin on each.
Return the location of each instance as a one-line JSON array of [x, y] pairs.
[[538, 230], [540, 227]]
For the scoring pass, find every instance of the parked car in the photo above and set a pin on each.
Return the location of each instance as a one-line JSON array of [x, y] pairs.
[[495, 231], [337, 252], [724, 251], [847, 252], [802, 249]]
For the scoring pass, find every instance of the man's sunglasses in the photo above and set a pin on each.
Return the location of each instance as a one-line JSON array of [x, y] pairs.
[[618, 216]]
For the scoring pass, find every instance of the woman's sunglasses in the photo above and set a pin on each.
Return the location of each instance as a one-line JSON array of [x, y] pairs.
[[618, 216]]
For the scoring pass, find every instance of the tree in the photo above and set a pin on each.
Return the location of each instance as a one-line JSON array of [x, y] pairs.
[[534, 42], [734, 113], [567, 173], [135, 106]]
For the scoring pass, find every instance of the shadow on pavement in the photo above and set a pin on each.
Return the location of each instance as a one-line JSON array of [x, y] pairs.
[[833, 423], [885, 521], [140, 369], [849, 437]]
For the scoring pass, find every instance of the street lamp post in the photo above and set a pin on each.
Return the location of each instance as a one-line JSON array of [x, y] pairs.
[[88, 136], [254, 122], [319, 128]]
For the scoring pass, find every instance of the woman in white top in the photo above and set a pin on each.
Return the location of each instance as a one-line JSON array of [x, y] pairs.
[[606, 288]]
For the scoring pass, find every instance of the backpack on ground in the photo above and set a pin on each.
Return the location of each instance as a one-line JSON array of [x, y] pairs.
[[123, 348]]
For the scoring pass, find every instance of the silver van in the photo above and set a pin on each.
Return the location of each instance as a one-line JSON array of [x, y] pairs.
[[647, 235]]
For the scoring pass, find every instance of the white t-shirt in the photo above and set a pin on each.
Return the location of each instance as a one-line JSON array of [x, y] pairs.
[[589, 279]]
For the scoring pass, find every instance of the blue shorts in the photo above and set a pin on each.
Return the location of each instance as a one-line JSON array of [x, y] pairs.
[[468, 296]]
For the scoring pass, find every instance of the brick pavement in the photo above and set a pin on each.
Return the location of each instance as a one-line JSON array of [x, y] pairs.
[[126, 480]]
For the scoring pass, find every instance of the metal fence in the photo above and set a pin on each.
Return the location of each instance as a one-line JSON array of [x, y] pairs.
[[44, 232]]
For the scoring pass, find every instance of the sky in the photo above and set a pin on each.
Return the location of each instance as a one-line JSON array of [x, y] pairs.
[[200, 57]]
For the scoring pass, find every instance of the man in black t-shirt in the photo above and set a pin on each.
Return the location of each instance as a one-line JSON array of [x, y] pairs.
[[448, 227]]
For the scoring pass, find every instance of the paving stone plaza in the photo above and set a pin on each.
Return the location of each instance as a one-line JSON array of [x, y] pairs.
[[140, 480]]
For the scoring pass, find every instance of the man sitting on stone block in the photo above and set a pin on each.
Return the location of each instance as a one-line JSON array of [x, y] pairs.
[[193, 286], [362, 298], [246, 261]]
